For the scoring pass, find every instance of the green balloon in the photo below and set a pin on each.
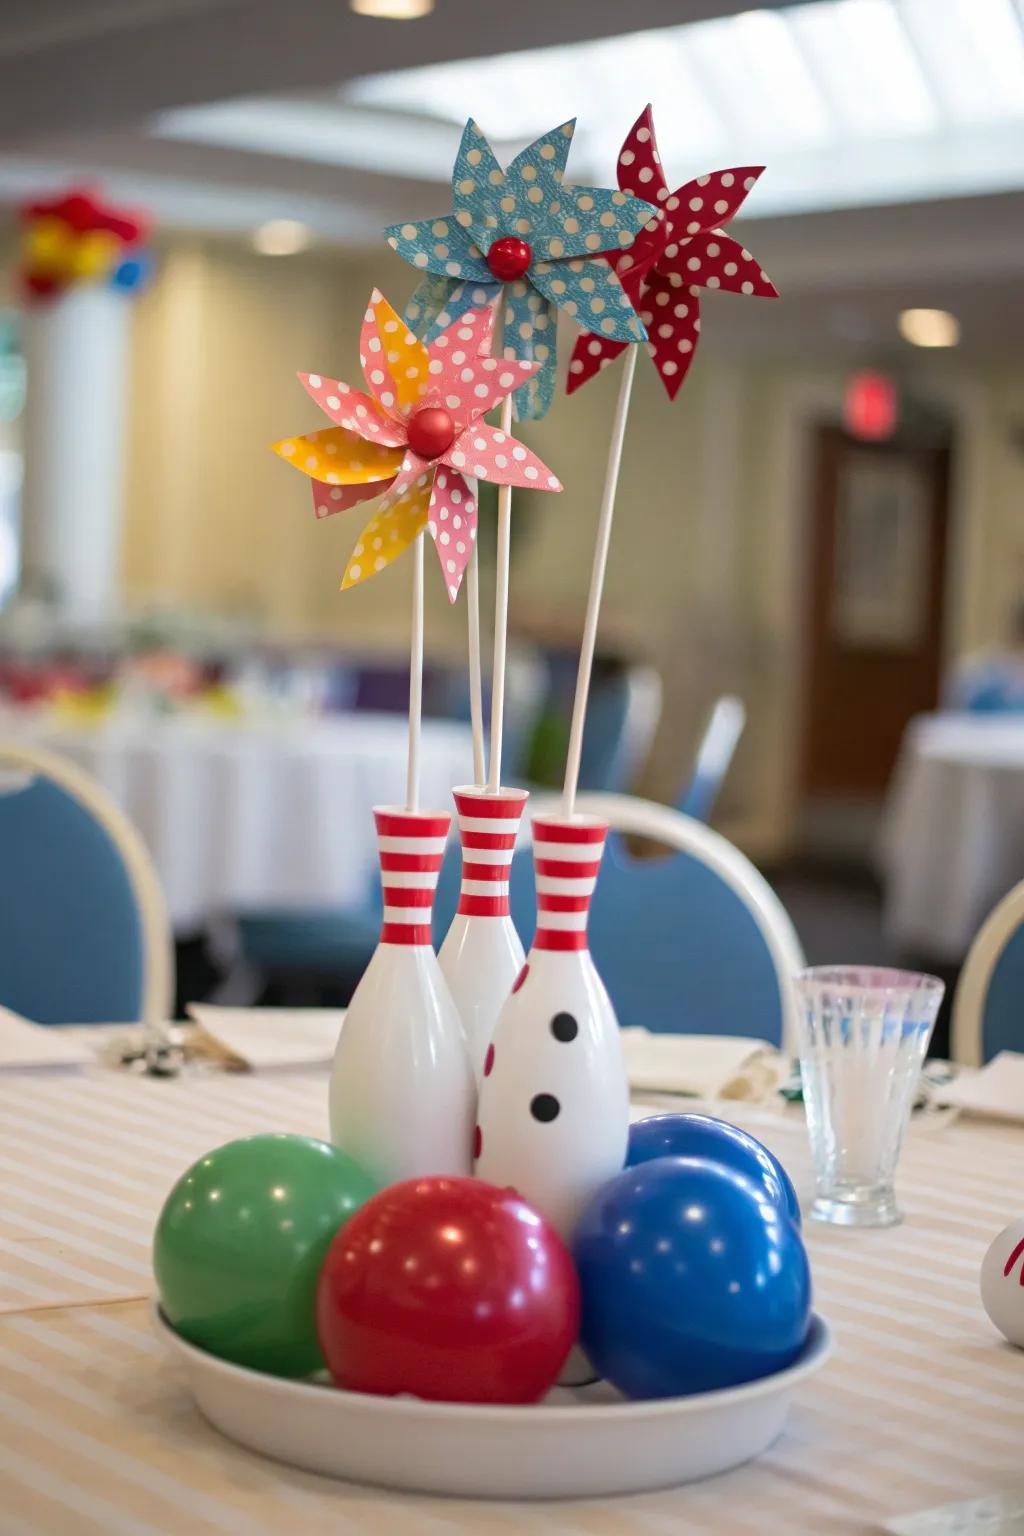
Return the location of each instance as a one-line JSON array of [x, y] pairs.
[[240, 1243]]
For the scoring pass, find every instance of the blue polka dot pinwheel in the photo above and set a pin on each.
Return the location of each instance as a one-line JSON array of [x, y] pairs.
[[524, 233]]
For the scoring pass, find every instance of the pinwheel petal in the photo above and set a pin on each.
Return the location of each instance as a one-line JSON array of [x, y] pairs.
[[587, 221], [394, 360], [589, 356], [591, 294], [351, 409], [452, 520], [487, 453], [478, 192], [475, 334], [639, 168], [672, 316], [439, 245], [435, 317], [390, 530], [536, 172], [716, 260], [328, 499], [530, 336], [338, 457], [709, 201], [469, 385]]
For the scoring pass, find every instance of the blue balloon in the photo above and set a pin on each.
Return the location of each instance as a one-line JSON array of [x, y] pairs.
[[719, 1142], [691, 1280], [132, 272]]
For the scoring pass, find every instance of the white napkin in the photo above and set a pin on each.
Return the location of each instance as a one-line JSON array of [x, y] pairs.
[[262, 1038], [26, 1045], [996, 1091], [701, 1066], [997, 1514]]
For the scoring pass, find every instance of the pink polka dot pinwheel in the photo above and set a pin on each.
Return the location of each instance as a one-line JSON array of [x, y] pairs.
[[675, 255], [416, 445]]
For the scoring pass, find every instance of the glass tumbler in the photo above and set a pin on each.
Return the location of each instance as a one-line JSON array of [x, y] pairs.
[[862, 1033]]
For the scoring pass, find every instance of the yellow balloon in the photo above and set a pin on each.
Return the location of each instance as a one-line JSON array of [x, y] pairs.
[[46, 247], [94, 255]]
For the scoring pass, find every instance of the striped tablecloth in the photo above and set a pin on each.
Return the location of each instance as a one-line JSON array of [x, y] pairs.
[[921, 1404]]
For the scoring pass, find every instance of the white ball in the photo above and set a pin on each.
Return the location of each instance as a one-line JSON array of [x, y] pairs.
[[1002, 1283]]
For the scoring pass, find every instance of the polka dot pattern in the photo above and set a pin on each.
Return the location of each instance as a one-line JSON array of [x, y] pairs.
[[490, 454], [389, 532], [680, 252], [338, 457], [353, 410], [328, 499], [394, 360], [567, 229], [452, 524]]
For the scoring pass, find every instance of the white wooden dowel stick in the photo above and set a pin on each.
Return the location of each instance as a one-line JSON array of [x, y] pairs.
[[604, 533], [412, 783], [476, 687], [500, 615]]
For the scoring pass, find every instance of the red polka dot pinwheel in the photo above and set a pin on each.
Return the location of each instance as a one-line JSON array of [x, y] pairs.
[[673, 258], [416, 445]]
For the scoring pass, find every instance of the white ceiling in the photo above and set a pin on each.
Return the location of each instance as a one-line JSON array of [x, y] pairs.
[[83, 84]]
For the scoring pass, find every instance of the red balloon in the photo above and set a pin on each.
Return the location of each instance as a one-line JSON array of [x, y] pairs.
[[509, 258], [449, 1289]]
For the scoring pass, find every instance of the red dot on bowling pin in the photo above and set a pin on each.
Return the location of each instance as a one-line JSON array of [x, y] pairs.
[[478, 1142], [489, 1061]]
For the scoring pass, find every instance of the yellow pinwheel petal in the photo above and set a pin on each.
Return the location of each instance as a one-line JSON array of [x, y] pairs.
[[393, 352], [388, 533], [338, 457]]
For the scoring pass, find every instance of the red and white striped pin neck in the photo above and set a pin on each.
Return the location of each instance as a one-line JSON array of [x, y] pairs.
[[411, 846], [566, 860], [488, 826]]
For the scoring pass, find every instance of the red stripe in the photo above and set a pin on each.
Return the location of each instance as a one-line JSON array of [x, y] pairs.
[[487, 805], [494, 840], [426, 862], [567, 832], [408, 896], [485, 871], [551, 903], [484, 906], [559, 938], [406, 933], [409, 824], [567, 867]]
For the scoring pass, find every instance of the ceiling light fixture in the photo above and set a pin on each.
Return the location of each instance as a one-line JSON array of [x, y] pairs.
[[392, 10], [281, 237], [929, 327]]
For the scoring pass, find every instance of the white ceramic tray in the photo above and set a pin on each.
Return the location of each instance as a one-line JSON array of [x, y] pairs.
[[579, 1443]]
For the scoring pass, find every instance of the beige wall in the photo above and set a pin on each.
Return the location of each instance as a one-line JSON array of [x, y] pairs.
[[706, 566]]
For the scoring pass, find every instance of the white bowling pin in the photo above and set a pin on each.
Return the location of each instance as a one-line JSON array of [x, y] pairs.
[[553, 1114], [402, 1094], [482, 954]]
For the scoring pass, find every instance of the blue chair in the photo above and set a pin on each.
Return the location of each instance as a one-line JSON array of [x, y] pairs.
[[84, 937], [988, 1010], [714, 755], [695, 942]]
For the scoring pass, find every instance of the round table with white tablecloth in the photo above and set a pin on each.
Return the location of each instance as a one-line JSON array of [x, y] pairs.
[[260, 814], [953, 836]]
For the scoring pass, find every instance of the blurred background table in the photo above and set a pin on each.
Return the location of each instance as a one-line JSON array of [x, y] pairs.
[[256, 814], [953, 836]]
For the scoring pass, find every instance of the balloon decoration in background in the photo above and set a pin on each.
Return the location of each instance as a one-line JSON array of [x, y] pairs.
[[77, 239], [451, 1289], [240, 1244], [719, 1142], [690, 1280]]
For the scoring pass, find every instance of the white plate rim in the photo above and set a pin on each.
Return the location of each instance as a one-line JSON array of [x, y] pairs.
[[817, 1349]]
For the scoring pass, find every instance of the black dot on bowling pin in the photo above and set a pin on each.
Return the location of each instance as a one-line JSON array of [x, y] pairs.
[[544, 1107], [564, 1027]]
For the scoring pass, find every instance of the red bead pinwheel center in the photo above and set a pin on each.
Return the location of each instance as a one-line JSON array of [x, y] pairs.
[[431, 431], [509, 258]]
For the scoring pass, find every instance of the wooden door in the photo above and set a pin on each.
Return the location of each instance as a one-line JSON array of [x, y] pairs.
[[875, 610]]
